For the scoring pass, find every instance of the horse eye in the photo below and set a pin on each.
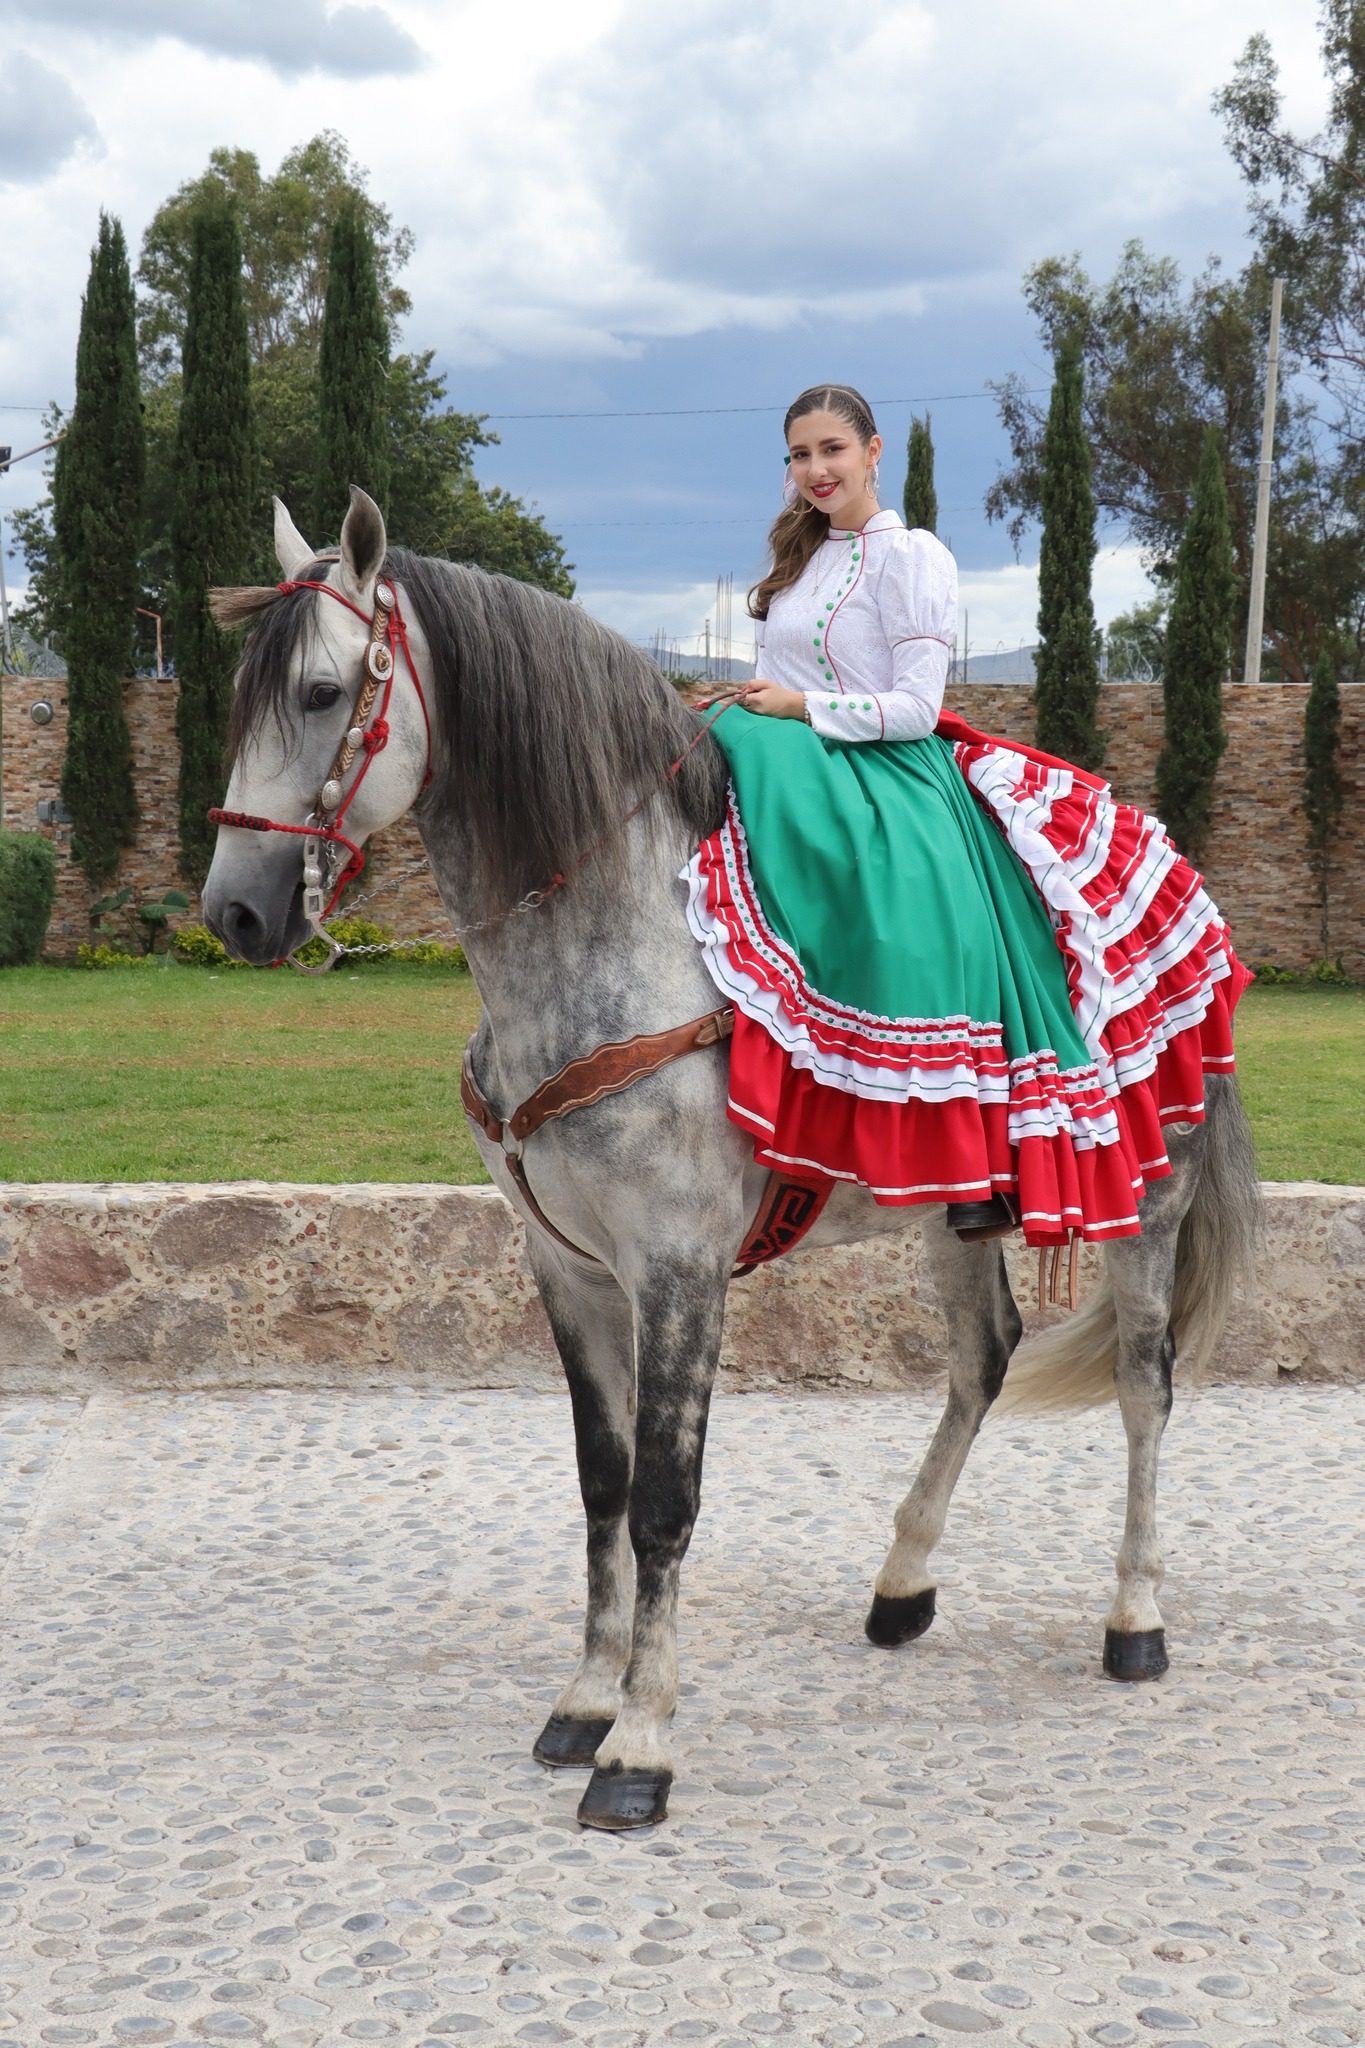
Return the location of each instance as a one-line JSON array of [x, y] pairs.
[[323, 696]]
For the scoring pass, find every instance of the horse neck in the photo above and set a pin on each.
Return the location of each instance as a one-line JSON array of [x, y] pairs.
[[589, 965]]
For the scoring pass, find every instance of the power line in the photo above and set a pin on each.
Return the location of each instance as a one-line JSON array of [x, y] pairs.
[[569, 523], [692, 412]]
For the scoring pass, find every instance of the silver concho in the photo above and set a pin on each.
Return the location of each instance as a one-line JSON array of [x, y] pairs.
[[355, 737], [331, 794], [378, 660], [384, 597]]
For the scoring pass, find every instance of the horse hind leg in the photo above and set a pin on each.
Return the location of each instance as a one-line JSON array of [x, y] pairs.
[[983, 1329], [591, 1321], [1142, 1274]]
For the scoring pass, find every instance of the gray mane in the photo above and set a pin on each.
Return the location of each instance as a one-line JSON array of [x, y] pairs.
[[547, 728]]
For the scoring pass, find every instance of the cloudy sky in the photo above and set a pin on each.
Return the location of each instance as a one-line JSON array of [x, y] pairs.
[[664, 217]]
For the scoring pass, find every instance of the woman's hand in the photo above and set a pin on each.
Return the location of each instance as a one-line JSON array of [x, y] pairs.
[[771, 700]]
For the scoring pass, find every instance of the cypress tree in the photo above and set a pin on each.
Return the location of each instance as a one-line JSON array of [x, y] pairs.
[[1198, 637], [1323, 795], [96, 516], [1067, 662], [211, 518], [354, 437], [921, 499]]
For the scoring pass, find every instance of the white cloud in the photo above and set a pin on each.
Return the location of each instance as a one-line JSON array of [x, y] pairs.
[[1001, 605], [291, 36], [584, 180], [42, 121], [679, 612]]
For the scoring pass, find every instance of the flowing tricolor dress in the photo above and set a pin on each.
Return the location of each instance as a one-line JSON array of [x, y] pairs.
[[957, 965]]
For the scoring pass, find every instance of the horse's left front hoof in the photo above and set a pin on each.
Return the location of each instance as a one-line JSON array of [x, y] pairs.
[[568, 1745], [617, 1798], [1139, 1653]]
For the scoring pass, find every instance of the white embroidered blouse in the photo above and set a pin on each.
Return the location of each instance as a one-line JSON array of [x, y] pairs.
[[866, 631]]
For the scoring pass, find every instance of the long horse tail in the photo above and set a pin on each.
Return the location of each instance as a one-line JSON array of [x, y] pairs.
[[1072, 1364]]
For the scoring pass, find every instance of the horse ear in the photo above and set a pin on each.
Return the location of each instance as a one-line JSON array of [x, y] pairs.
[[291, 549], [364, 545]]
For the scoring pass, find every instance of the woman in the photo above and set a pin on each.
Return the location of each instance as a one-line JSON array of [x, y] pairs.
[[961, 972]]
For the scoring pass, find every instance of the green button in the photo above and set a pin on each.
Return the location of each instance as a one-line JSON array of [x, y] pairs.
[[867, 707], [829, 607], [833, 703]]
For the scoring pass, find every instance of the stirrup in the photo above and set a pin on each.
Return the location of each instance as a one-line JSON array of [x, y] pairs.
[[979, 1222]]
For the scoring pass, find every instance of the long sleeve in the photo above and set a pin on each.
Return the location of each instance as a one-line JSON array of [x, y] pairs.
[[915, 593]]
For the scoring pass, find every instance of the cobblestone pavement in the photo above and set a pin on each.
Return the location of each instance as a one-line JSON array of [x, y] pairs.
[[273, 1664]]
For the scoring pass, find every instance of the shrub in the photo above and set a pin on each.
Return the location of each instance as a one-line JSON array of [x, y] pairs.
[[128, 926], [28, 884], [1332, 973], [116, 955], [195, 946]]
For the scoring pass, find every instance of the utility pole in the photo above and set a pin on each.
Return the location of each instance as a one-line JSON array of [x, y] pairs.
[[6, 644], [1251, 667]]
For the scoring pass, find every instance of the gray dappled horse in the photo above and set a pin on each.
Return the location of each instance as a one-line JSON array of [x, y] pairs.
[[546, 731]]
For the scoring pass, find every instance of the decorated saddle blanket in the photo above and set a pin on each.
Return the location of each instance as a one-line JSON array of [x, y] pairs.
[[958, 966]]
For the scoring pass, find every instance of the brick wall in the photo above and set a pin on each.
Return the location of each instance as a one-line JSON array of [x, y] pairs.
[[31, 766], [1257, 868]]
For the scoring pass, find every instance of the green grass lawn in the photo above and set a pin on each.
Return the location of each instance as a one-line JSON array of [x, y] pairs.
[[178, 1074]]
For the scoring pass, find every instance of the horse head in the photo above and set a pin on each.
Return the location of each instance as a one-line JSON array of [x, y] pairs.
[[328, 732]]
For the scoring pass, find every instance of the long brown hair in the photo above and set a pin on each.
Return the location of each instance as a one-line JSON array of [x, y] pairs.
[[799, 529]]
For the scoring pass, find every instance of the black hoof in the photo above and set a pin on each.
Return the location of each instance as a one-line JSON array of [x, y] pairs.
[[1139, 1654], [899, 1621], [562, 1744], [618, 1798]]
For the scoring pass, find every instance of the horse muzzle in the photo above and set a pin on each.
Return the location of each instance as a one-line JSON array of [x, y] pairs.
[[259, 917]]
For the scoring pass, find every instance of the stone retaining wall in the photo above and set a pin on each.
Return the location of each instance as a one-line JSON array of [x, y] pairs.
[[254, 1283]]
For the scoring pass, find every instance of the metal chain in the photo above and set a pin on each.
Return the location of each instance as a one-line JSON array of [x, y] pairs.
[[416, 867]]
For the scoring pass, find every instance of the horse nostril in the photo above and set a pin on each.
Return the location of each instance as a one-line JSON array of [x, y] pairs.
[[241, 925]]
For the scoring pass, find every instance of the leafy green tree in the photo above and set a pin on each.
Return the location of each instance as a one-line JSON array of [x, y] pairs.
[[921, 499], [1307, 200], [285, 222], [1162, 362], [97, 517], [1066, 667], [211, 539], [1135, 643], [1323, 795], [1198, 637], [435, 501], [353, 372]]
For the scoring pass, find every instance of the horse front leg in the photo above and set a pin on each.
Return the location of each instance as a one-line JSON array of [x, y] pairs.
[[678, 1313], [983, 1329], [591, 1320]]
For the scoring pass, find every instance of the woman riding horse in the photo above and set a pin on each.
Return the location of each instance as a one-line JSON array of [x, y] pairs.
[[961, 974]]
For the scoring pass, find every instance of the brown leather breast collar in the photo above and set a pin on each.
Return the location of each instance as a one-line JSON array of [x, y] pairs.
[[791, 1203]]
